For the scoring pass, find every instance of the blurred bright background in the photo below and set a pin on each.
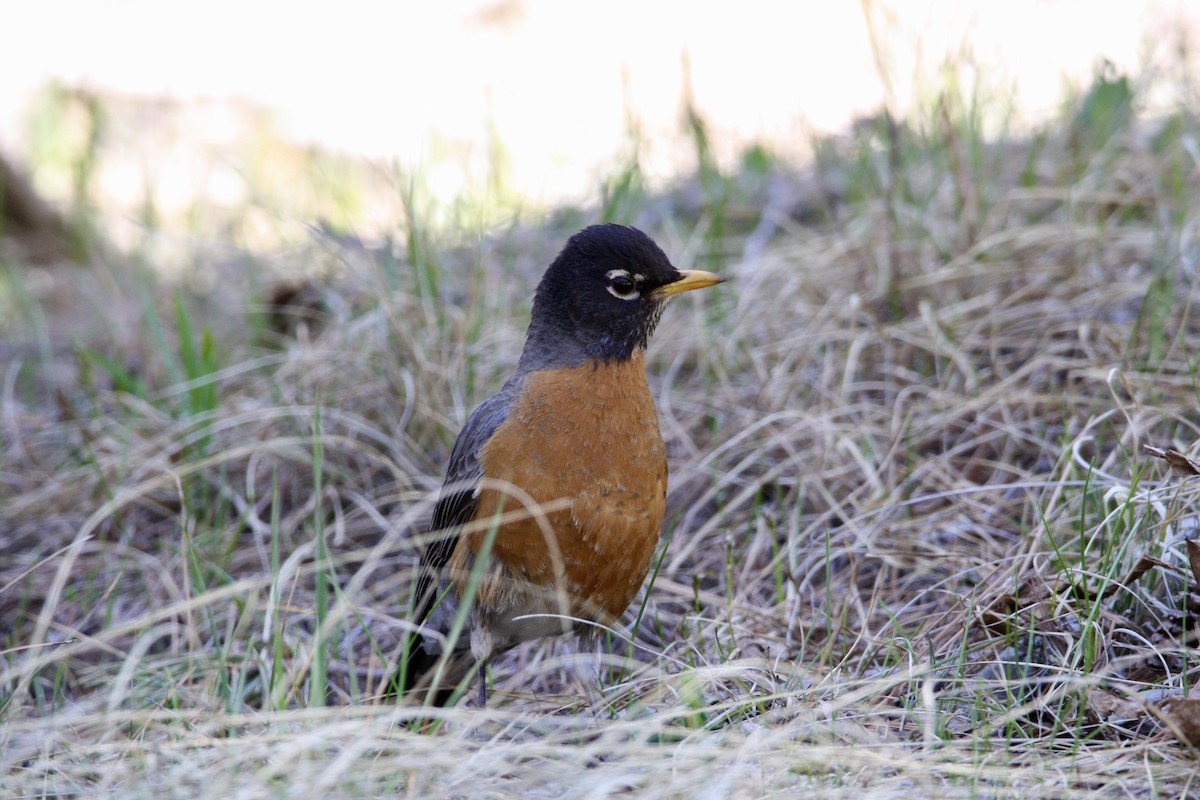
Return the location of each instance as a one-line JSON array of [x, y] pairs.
[[527, 103]]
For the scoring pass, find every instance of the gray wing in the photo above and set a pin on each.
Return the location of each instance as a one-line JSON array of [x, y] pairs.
[[459, 497], [455, 507]]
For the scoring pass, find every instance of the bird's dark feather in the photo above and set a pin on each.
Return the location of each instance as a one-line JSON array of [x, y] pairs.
[[455, 507]]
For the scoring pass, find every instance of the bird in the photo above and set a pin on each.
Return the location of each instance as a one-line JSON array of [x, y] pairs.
[[556, 487]]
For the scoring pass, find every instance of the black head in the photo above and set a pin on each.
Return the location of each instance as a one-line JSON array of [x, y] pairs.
[[602, 297]]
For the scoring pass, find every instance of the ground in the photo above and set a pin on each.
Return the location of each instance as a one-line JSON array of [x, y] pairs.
[[916, 544]]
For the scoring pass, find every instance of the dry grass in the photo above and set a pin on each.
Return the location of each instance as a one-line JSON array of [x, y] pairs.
[[914, 546]]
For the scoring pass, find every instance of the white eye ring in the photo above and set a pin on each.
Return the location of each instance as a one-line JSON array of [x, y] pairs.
[[622, 285]]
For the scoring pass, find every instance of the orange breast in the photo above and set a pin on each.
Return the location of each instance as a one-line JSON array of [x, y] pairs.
[[588, 435]]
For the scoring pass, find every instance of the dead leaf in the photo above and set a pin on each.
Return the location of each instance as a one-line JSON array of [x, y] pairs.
[[1193, 550], [1143, 565], [1180, 464], [999, 613], [1183, 718], [1103, 706]]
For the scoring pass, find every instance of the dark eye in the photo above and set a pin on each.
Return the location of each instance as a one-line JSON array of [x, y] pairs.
[[623, 284]]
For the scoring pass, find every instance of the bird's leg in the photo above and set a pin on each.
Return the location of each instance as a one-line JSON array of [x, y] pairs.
[[483, 683]]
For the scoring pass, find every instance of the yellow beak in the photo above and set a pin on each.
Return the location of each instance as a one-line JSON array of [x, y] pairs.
[[689, 279]]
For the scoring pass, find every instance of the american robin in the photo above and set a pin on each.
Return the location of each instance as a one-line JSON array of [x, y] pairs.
[[556, 488]]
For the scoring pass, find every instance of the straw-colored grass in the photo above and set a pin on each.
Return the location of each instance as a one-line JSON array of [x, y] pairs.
[[915, 546]]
